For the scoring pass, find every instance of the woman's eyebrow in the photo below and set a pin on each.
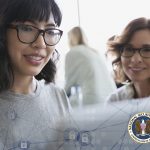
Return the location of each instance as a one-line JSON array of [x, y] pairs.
[[51, 25], [143, 45], [129, 45], [46, 25], [146, 45]]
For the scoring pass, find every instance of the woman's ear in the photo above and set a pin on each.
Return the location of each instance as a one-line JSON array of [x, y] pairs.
[[55, 56]]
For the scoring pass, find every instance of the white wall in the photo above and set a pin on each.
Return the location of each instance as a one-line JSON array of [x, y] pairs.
[[103, 18], [70, 19]]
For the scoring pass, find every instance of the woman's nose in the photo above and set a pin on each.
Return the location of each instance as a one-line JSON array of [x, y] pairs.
[[136, 57], [40, 42]]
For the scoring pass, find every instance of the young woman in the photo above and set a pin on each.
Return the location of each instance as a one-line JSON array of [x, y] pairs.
[[133, 50], [30, 104]]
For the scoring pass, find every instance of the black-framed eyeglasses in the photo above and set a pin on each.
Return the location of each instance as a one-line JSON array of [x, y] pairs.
[[130, 51], [28, 34]]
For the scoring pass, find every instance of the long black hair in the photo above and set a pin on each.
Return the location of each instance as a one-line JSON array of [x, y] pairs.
[[23, 10]]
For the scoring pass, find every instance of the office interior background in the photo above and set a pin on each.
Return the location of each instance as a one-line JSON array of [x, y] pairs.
[[99, 20]]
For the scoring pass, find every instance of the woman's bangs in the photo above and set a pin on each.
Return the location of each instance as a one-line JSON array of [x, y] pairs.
[[29, 10], [39, 11]]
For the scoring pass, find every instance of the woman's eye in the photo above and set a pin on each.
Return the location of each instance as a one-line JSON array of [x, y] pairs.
[[147, 49], [128, 49], [50, 32], [25, 28]]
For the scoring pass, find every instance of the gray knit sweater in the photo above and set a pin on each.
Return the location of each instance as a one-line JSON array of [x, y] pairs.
[[29, 122]]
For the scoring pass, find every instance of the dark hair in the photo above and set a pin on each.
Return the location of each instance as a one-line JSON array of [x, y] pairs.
[[120, 41], [24, 10]]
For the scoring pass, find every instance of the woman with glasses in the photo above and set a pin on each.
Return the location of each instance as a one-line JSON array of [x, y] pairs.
[[30, 103], [132, 49]]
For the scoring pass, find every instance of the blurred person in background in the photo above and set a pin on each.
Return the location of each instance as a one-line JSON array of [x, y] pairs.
[[86, 71]]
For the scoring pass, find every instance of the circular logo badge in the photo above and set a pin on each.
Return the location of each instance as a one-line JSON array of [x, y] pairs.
[[139, 127]]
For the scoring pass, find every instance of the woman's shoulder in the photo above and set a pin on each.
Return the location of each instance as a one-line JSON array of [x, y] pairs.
[[123, 93], [77, 50], [51, 87]]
